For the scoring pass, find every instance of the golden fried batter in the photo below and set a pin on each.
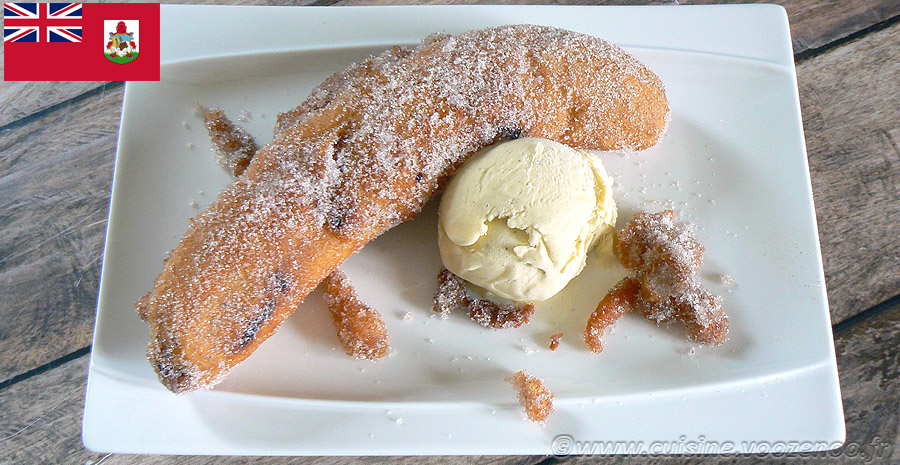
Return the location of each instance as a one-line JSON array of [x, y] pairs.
[[452, 294], [533, 395], [663, 285], [234, 146], [495, 315], [360, 327], [620, 299], [554, 340], [364, 153], [666, 258]]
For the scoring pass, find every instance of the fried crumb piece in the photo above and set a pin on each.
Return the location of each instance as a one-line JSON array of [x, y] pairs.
[[451, 294], [620, 299], [699, 310], [234, 146], [663, 286], [533, 395], [649, 236], [554, 340], [360, 328], [495, 315]]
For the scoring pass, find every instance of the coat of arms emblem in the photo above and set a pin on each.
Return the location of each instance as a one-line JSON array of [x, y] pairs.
[[121, 45]]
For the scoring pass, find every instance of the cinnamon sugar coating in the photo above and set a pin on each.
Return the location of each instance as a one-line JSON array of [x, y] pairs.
[[234, 146], [699, 310], [663, 286], [665, 258], [360, 327], [533, 395], [451, 294], [652, 236], [365, 151], [495, 315]]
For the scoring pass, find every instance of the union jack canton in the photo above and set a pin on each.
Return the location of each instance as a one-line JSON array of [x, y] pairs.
[[40, 22]]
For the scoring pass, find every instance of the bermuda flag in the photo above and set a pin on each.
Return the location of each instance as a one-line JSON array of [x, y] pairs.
[[70, 41]]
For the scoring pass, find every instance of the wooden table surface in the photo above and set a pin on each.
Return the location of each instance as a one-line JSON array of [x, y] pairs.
[[57, 146]]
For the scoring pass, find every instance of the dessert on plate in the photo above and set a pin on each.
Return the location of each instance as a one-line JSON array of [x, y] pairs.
[[363, 153]]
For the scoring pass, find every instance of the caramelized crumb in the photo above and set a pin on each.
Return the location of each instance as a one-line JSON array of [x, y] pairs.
[[533, 395], [620, 299], [451, 294], [699, 310], [491, 314], [360, 328], [142, 307], [649, 236], [554, 340], [234, 146], [663, 286]]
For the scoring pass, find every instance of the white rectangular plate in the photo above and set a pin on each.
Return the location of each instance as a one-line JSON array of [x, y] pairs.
[[733, 163]]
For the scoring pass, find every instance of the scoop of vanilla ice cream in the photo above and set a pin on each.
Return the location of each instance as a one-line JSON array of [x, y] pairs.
[[519, 217]]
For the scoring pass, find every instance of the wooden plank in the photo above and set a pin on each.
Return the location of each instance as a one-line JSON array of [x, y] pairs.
[[869, 367], [41, 423], [19, 99], [851, 105], [55, 175], [816, 23], [813, 23], [42, 415]]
